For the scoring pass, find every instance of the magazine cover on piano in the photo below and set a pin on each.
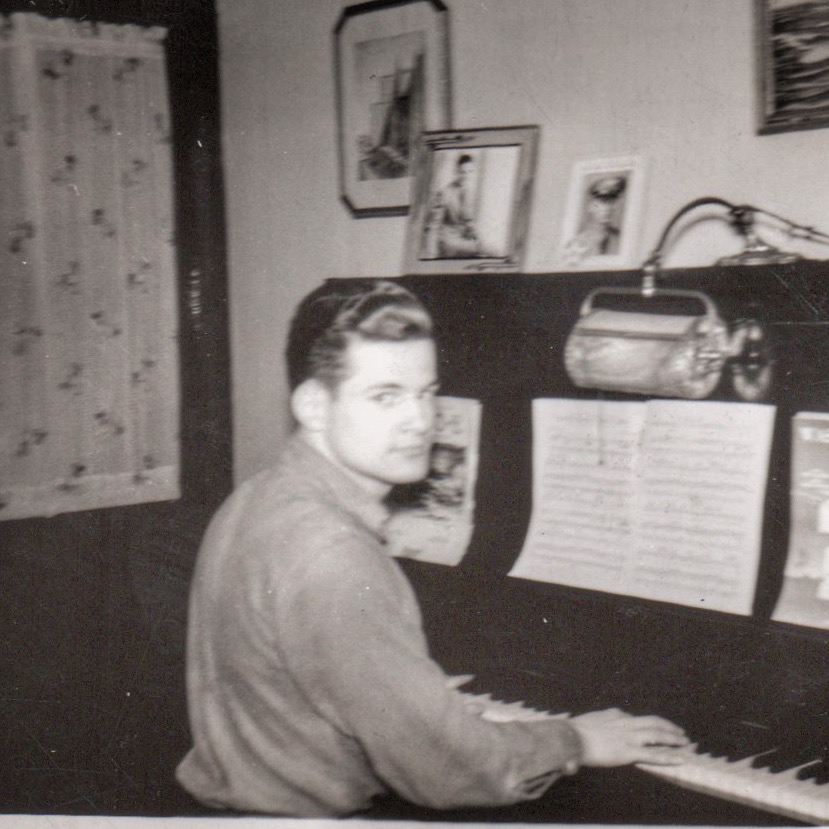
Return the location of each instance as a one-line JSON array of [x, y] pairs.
[[804, 599], [433, 520]]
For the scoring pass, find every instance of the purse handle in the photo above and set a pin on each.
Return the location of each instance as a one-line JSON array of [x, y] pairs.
[[708, 305]]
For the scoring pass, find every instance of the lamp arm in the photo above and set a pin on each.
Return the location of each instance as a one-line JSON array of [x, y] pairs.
[[742, 219], [655, 259], [738, 212], [795, 230]]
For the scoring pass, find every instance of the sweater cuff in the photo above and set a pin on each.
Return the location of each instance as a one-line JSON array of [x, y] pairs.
[[576, 752], [573, 751]]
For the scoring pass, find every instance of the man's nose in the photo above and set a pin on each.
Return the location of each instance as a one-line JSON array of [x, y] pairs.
[[420, 414]]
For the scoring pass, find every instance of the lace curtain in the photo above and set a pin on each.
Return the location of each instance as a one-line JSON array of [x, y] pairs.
[[89, 395]]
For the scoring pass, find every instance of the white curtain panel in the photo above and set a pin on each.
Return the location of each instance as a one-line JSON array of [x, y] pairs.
[[89, 376]]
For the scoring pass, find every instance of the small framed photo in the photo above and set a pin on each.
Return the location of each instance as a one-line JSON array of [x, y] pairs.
[[792, 52], [471, 200], [392, 66], [603, 214]]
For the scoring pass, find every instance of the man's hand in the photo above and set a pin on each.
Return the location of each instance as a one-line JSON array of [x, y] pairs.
[[614, 738]]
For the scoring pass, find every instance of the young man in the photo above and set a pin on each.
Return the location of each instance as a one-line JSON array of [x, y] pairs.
[[310, 685], [599, 233], [450, 228]]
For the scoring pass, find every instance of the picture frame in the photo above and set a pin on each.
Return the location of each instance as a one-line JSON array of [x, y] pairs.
[[392, 83], [603, 212], [792, 38], [471, 200]]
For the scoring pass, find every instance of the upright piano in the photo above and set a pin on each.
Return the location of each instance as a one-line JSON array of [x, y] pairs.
[[752, 693]]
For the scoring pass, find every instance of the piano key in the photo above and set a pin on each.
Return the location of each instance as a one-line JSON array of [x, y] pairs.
[[739, 739], [817, 771], [739, 781], [760, 780], [797, 750], [485, 706]]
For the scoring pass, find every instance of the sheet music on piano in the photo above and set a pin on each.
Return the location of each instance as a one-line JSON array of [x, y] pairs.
[[660, 499]]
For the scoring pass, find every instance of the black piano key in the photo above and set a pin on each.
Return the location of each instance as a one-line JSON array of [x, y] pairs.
[[818, 772], [792, 754], [737, 740]]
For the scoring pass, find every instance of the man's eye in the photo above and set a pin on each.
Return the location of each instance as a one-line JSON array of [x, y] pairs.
[[386, 398]]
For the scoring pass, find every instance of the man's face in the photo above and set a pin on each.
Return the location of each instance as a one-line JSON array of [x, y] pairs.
[[380, 418], [465, 172], [601, 210]]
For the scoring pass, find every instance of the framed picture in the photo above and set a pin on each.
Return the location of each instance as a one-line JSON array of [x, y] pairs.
[[602, 215], [792, 52], [392, 65], [471, 200]]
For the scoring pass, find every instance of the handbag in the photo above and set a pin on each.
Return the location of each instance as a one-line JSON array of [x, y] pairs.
[[640, 352]]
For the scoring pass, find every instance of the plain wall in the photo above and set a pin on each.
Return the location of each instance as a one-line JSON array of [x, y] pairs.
[[671, 80]]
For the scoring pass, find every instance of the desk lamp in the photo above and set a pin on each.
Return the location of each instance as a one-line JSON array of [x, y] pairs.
[[670, 354]]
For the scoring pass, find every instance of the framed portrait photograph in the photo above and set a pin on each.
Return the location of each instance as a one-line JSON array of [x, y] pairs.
[[392, 67], [792, 52], [471, 200], [602, 215]]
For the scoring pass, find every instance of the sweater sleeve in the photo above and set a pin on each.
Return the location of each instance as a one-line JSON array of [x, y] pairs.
[[358, 650]]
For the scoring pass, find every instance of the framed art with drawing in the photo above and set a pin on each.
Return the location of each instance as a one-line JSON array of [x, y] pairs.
[[392, 66], [602, 214], [792, 52], [471, 200]]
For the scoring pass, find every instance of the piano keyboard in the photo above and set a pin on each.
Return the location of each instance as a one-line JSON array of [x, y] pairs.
[[781, 792], [488, 708], [793, 792]]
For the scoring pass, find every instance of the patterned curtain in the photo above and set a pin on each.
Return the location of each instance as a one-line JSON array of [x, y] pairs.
[[89, 394]]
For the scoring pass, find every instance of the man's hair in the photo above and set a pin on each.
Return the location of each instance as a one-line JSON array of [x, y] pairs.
[[463, 159], [337, 313]]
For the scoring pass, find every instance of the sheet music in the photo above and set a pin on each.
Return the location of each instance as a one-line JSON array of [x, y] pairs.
[[660, 499]]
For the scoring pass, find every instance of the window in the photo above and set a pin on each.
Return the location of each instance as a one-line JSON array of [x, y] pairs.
[[89, 388]]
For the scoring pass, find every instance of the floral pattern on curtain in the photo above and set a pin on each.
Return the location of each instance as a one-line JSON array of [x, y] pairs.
[[89, 386]]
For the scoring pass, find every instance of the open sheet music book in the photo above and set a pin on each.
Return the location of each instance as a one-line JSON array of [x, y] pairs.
[[804, 599], [660, 499], [433, 520]]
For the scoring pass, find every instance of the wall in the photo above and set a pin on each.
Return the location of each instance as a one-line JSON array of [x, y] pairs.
[[671, 80]]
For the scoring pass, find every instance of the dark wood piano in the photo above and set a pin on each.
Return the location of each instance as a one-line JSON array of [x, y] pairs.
[[751, 692]]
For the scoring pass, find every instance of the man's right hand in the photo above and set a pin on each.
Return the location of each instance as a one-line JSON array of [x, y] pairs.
[[614, 738]]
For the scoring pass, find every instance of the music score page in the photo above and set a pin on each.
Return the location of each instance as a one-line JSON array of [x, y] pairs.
[[660, 499]]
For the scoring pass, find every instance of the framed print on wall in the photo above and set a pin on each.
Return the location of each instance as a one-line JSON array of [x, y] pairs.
[[471, 200], [792, 51], [602, 215], [392, 65]]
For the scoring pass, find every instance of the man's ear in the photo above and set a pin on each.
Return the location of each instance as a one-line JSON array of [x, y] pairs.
[[309, 403]]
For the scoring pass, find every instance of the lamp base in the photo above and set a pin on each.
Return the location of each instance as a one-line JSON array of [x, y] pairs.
[[757, 252]]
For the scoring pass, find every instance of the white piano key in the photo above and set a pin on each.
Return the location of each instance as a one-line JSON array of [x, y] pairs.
[[778, 792], [737, 781]]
